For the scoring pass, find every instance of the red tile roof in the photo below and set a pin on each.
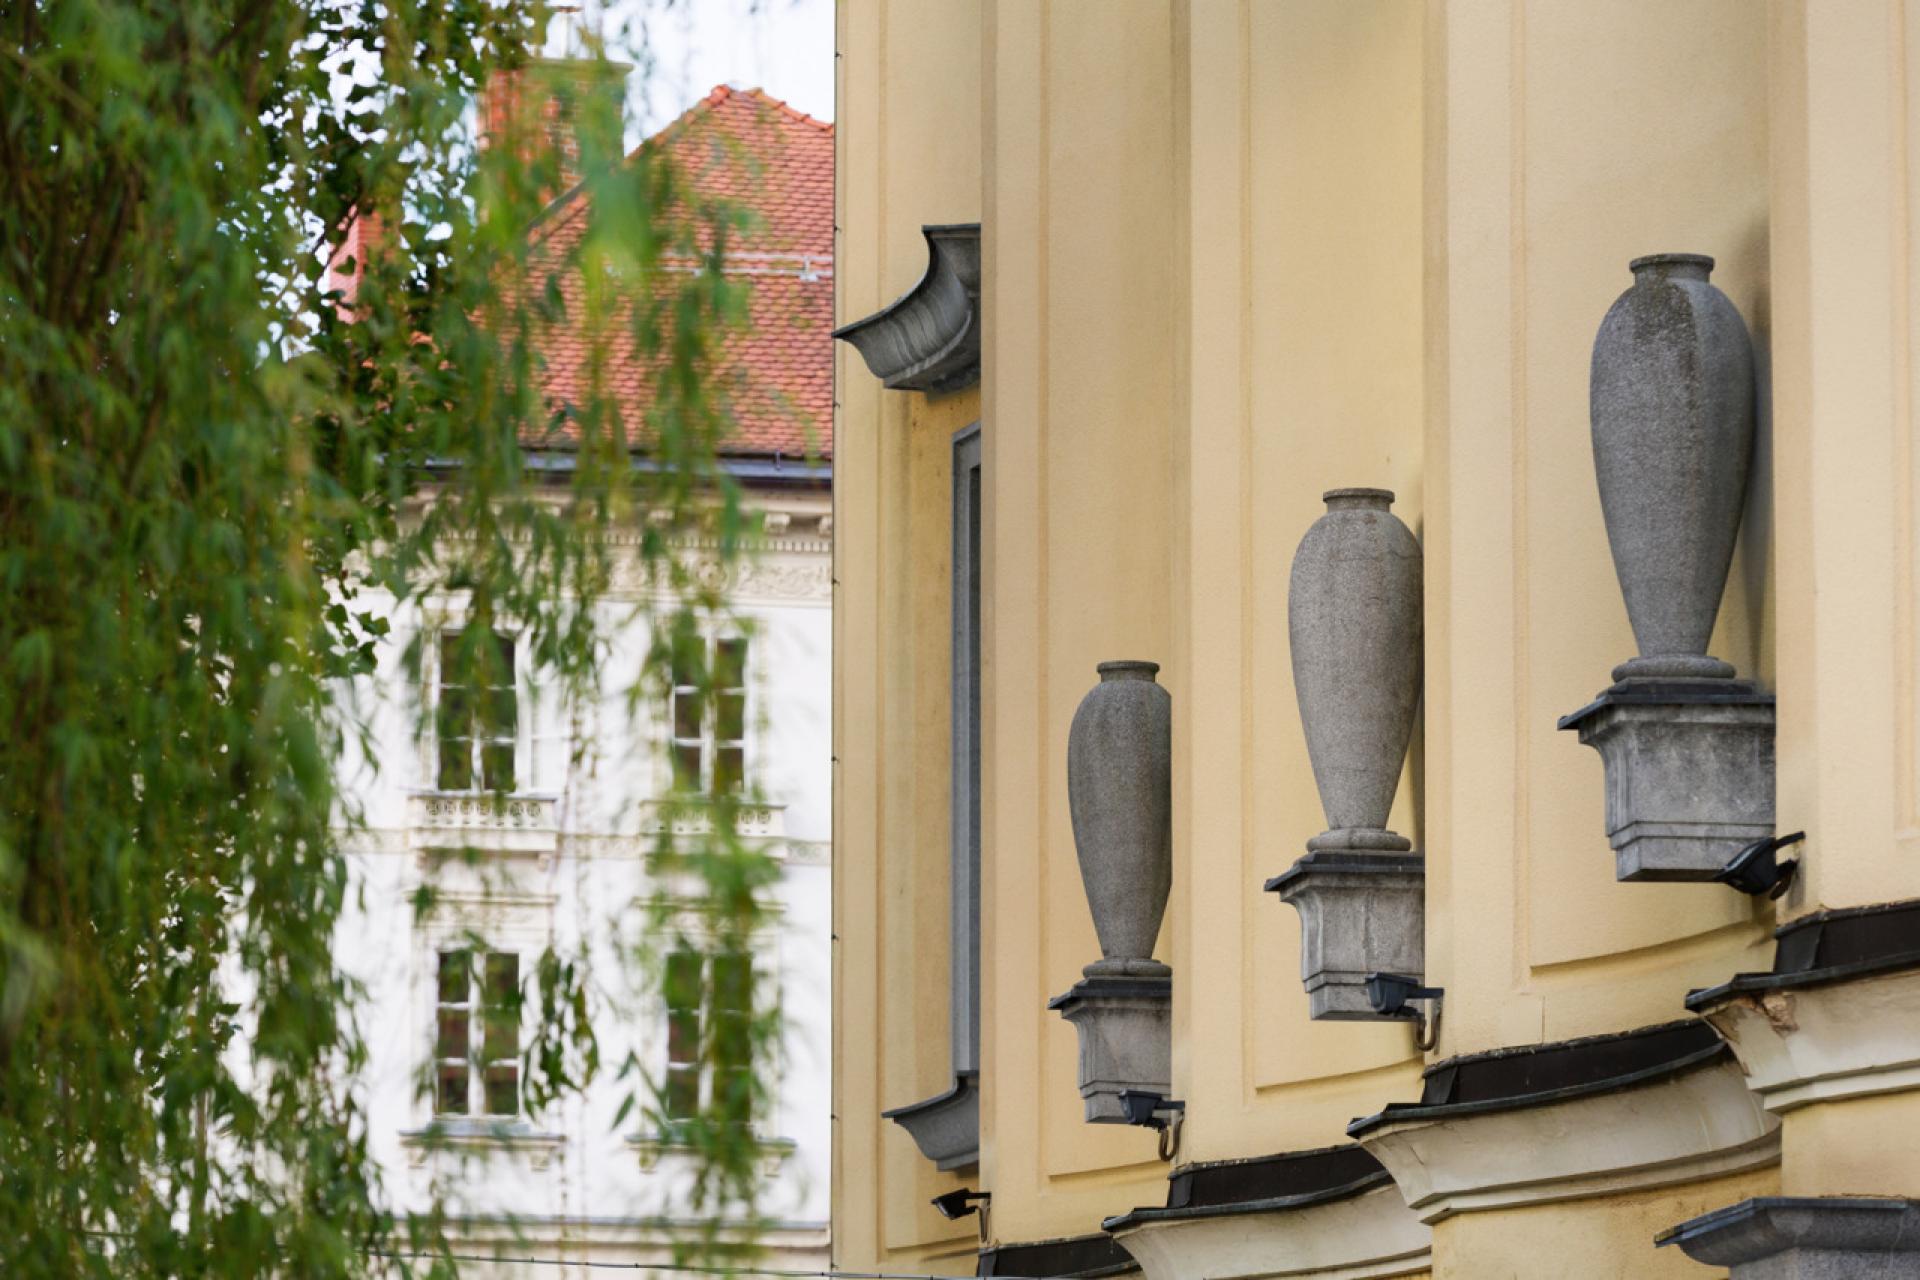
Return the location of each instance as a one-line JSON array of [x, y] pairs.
[[776, 370]]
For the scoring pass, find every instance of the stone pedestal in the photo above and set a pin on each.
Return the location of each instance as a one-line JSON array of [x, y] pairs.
[[1689, 768], [1360, 913], [1125, 1022], [1807, 1238]]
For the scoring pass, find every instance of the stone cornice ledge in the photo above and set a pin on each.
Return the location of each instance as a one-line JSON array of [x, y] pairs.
[[1837, 1017], [929, 339], [1656, 1109]]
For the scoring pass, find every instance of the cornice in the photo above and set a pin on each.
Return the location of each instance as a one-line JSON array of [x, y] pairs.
[[1652, 1125], [1355, 1237], [929, 338]]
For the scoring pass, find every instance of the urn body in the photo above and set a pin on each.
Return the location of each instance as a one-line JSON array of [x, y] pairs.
[[1672, 403], [1119, 791], [1354, 621]]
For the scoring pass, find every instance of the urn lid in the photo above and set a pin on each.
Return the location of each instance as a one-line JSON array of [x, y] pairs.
[[1127, 669]]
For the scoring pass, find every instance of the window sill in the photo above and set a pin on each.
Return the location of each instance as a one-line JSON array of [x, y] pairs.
[[670, 1145], [519, 823], [480, 1134], [692, 815]]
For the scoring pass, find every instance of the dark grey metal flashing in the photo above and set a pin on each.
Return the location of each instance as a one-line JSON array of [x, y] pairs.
[[1083, 1257], [1829, 946], [929, 338], [1265, 1184], [1806, 1237], [1539, 1075], [945, 1127]]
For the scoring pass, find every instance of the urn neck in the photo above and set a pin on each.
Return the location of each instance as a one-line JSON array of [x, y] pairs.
[[1671, 266], [1358, 499], [1127, 670]]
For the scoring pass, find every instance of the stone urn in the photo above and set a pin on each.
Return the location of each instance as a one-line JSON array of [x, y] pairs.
[[1673, 422], [1688, 749], [1354, 620], [1120, 795]]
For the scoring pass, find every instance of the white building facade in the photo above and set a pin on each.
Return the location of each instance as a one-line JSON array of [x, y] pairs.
[[563, 862]]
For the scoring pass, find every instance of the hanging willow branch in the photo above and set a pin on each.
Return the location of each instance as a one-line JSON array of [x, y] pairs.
[[208, 459]]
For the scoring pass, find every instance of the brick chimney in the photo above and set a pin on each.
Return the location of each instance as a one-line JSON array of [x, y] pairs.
[[541, 105]]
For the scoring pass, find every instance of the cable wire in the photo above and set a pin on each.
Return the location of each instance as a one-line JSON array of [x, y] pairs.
[[779, 1273]]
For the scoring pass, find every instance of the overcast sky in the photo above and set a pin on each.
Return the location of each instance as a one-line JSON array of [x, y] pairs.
[[782, 46]]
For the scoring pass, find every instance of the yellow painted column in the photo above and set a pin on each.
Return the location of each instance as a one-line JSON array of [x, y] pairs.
[[1844, 173]]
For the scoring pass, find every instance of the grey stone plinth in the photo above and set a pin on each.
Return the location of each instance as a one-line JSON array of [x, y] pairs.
[[1689, 769], [1120, 796], [1125, 1023], [1672, 401], [1807, 1238], [1360, 913], [946, 1127]]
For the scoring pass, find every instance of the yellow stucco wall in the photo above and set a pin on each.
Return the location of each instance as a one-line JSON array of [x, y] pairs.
[[1240, 253]]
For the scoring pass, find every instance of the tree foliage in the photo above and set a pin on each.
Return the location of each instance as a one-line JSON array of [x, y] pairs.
[[206, 459]]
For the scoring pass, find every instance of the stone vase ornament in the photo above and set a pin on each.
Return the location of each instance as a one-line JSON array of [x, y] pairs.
[[1673, 422], [1354, 620], [1688, 749], [1120, 796]]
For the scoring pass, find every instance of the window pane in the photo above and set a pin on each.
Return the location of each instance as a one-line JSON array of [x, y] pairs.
[[732, 720], [729, 767], [686, 765], [499, 713], [503, 1089], [451, 1090], [456, 712], [449, 656], [456, 764], [730, 664], [686, 715], [454, 973], [733, 1094], [687, 660], [451, 1042], [502, 1014], [681, 1097], [684, 986], [500, 672], [496, 766]]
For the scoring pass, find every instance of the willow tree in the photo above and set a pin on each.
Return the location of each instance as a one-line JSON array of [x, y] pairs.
[[207, 456]]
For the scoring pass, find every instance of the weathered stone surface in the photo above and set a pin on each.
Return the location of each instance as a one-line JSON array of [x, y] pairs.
[[1126, 1037], [1690, 773], [1807, 1238], [929, 338], [946, 1128], [1354, 624], [1119, 790], [1360, 913], [1672, 401]]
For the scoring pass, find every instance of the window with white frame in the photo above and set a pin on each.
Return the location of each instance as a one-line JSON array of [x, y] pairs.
[[477, 712], [708, 716], [477, 1034], [709, 1008]]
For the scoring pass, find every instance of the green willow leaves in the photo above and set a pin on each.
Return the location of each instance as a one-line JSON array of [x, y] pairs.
[[208, 456]]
